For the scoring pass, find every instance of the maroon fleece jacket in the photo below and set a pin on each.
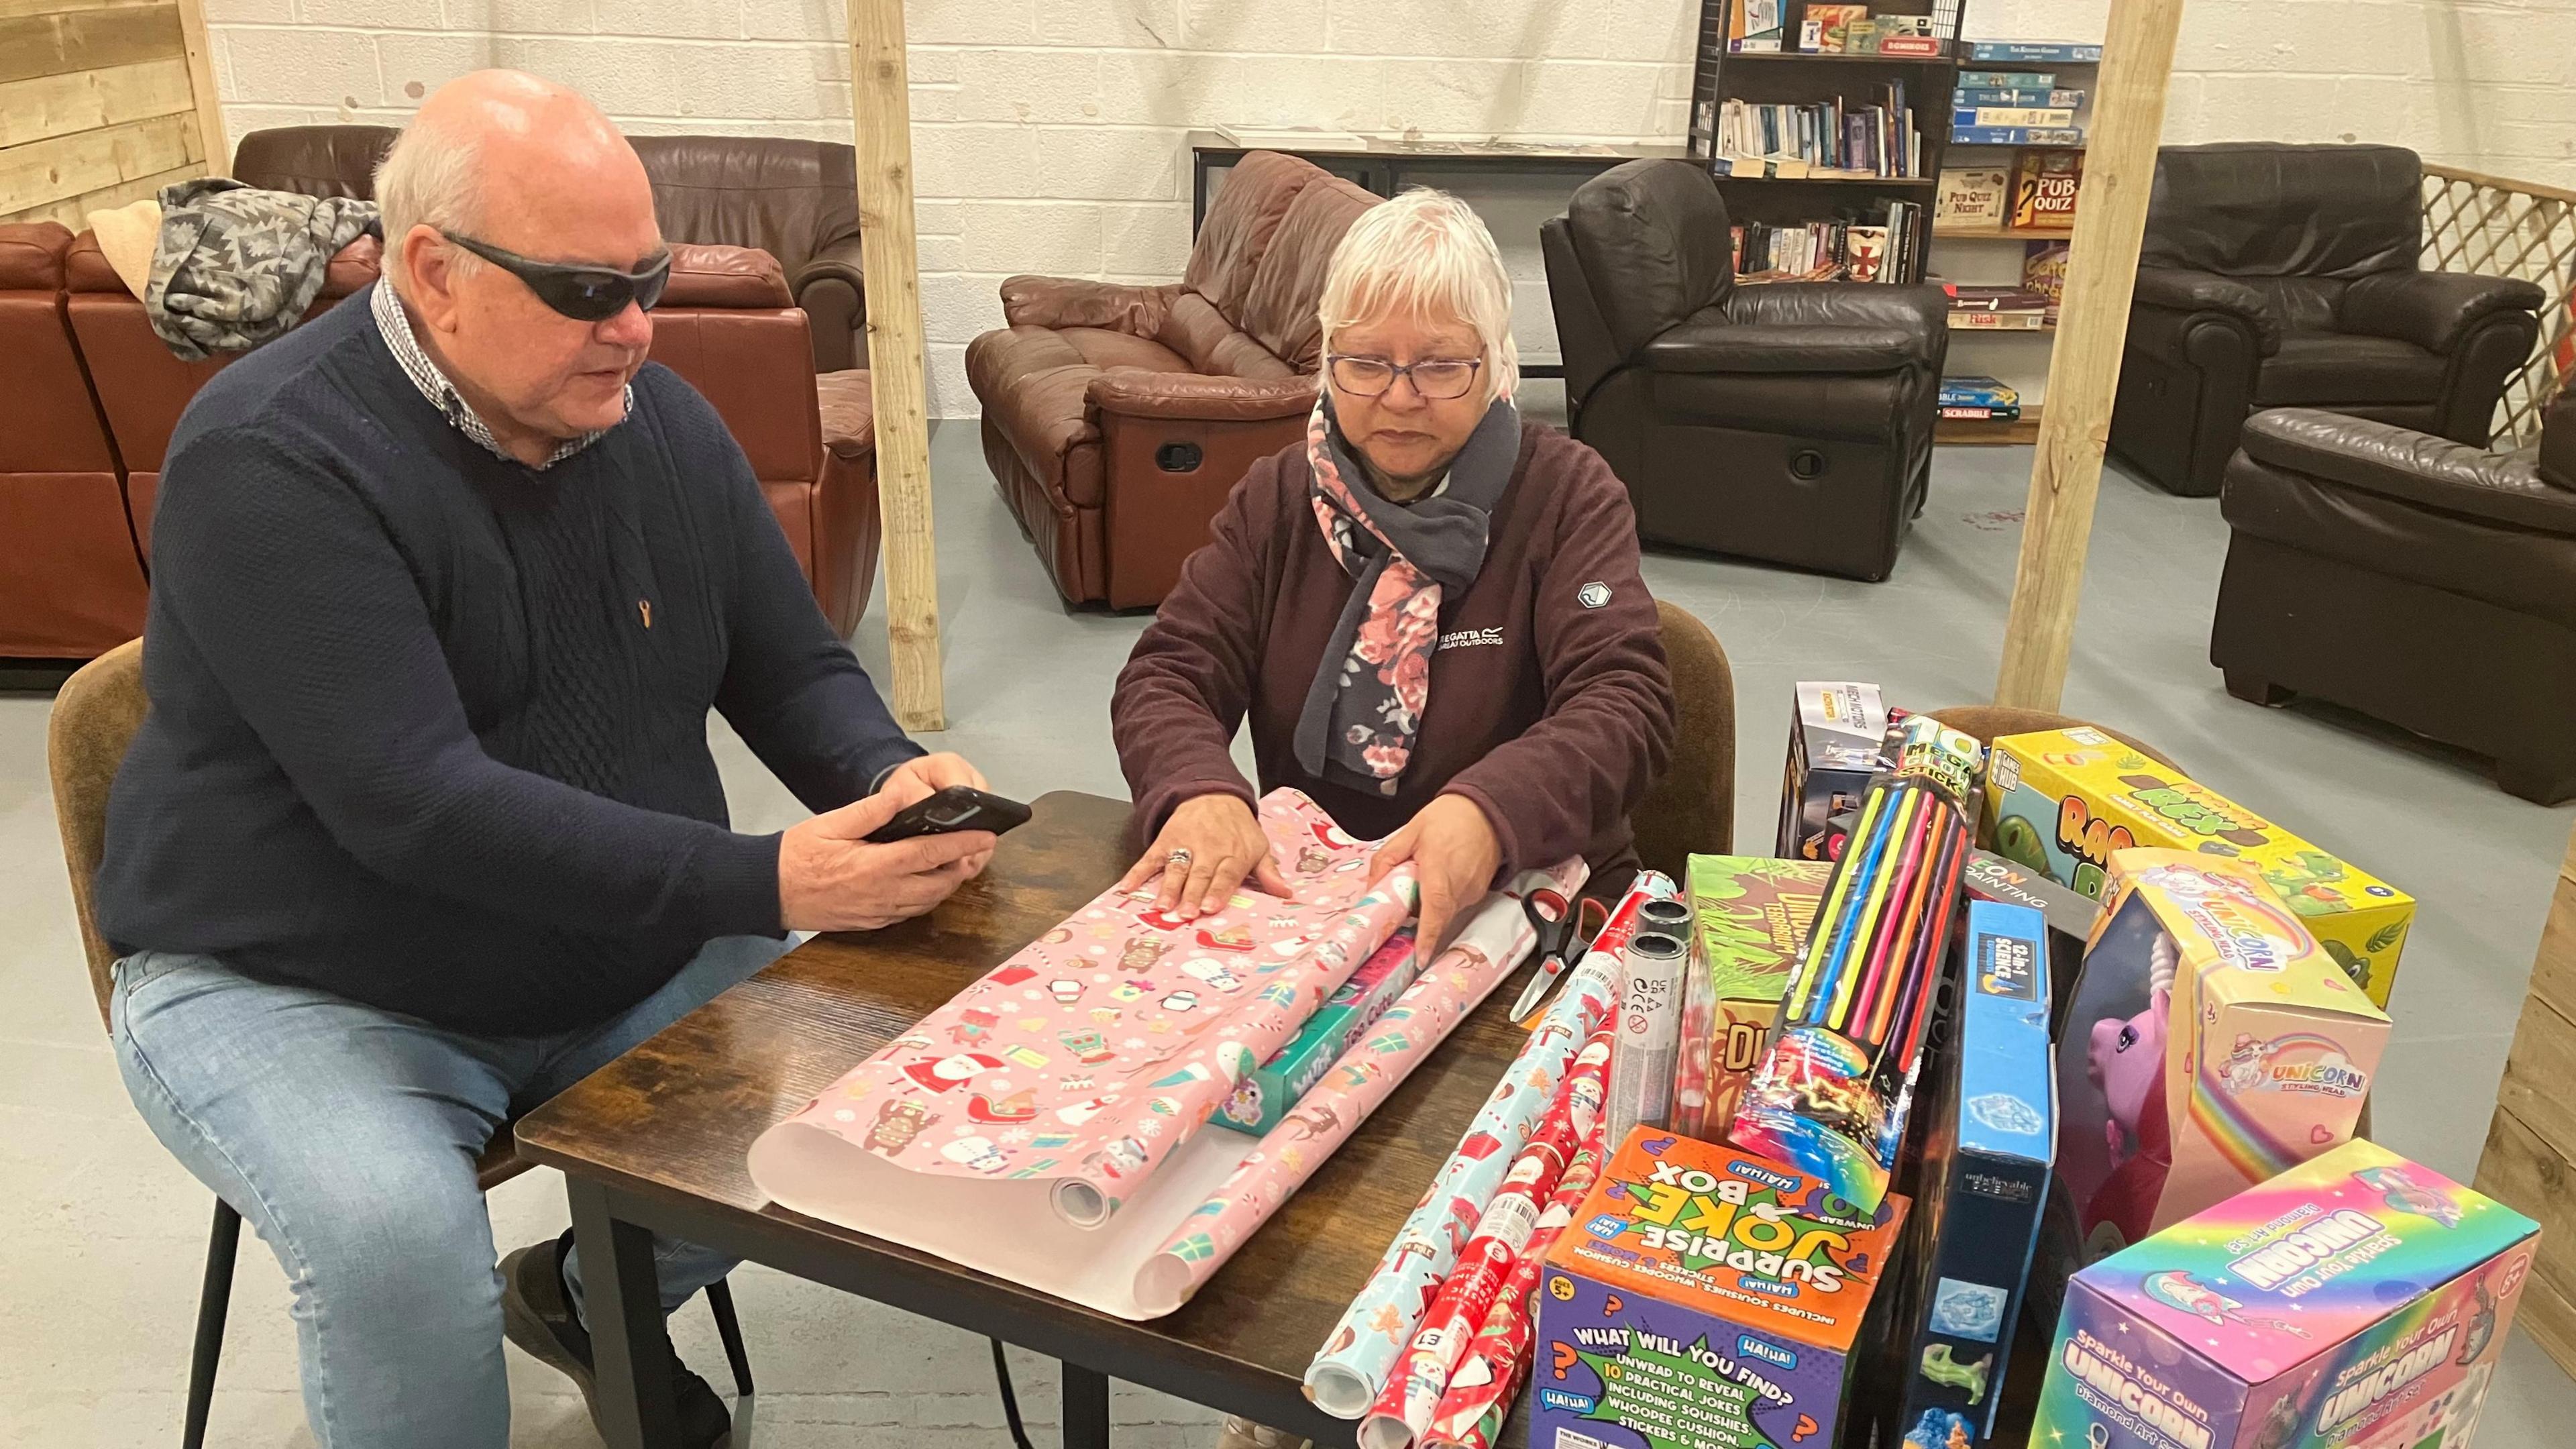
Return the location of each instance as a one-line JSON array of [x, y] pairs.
[[1550, 705]]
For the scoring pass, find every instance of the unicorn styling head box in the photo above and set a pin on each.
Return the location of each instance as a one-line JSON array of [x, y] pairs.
[[2212, 1044]]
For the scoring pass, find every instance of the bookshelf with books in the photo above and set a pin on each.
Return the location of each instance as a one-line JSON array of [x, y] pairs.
[[1824, 126], [2003, 210]]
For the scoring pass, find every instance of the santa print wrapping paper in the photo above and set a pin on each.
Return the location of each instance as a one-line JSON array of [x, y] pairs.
[[1403, 1409], [1480, 1392], [1358, 1355], [1482, 955]]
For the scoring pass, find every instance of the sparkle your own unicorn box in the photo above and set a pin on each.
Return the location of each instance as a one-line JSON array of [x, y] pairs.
[[2357, 1301]]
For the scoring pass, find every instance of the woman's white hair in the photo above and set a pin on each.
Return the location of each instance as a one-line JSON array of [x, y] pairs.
[[1425, 255], [431, 177]]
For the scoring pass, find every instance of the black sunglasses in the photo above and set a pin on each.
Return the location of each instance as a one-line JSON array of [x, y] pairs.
[[581, 292]]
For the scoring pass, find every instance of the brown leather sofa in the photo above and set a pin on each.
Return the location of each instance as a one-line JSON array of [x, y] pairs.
[[71, 582], [1790, 422], [726, 324], [2411, 578], [796, 200], [1117, 418], [2288, 276]]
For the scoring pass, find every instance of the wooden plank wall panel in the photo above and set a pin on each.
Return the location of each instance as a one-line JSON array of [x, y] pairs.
[[2530, 1158], [102, 102]]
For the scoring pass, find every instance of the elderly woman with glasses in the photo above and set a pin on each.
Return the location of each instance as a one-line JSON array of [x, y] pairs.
[[1429, 610]]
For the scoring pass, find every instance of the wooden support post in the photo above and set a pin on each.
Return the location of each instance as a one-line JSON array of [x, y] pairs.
[[201, 81], [2084, 368], [881, 113]]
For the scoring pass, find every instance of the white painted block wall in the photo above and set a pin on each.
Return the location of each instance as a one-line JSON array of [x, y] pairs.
[[1047, 134]]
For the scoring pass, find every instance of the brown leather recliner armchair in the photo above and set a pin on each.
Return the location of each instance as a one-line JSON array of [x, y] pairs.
[[71, 583], [1117, 418], [1790, 421], [2288, 276], [726, 324], [796, 200], [2415, 579]]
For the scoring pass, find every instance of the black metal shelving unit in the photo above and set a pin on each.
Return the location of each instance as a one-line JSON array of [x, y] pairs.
[[1789, 76]]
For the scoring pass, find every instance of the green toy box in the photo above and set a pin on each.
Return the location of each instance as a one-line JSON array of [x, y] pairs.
[[2060, 801]]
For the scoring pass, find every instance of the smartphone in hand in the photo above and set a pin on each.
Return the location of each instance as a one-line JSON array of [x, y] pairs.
[[959, 807]]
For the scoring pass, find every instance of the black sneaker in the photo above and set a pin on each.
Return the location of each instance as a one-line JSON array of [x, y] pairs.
[[536, 1314]]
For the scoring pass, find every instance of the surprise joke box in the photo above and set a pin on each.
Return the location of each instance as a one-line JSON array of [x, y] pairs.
[[2060, 801], [1702, 1299], [2358, 1301], [1750, 916], [1985, 1174], [1270, 1091], [2211, 1046], [1834, 738]]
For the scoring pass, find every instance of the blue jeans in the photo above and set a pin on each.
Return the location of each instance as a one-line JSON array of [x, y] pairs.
[[346, 1136]]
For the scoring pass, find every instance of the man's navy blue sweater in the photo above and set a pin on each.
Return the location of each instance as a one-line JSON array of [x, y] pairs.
[[428, 728]]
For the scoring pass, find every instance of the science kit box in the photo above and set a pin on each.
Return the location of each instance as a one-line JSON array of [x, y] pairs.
[[2212, 1046], [1703, 1299], [1750, 916], [2357, 1301], [2061, 801], [1269, 1091], [2071, 918], [1990, 1136], [1836, 733]]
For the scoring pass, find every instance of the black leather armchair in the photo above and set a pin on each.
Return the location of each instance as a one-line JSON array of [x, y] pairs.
[[2286, 276], [1790, 422], [2415, 579]]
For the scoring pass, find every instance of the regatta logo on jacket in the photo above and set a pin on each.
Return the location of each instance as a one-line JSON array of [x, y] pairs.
[[1471, 638]]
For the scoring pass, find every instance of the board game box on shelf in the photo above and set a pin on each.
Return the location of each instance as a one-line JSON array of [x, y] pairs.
[[1704, 1299], [1751, 915], [2356, 1301], [2060, 801]]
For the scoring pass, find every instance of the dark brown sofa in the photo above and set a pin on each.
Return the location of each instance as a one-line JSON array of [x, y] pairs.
[[2288, 276], [2414, 579], [796, 200], [1117, 418]]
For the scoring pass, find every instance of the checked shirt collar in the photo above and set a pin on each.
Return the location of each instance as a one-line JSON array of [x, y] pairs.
[[395, 325]]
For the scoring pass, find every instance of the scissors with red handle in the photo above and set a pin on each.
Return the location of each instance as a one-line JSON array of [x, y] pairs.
[[1565, 930]]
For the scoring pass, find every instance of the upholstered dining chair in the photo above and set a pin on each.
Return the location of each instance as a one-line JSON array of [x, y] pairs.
[[1691, 810], [95, 716]]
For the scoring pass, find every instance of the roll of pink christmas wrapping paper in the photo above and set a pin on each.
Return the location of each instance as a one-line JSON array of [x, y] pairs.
[[1359, 1354], [1402, 1413], [1488, 1378], [1482, 956], [1086, 1059]]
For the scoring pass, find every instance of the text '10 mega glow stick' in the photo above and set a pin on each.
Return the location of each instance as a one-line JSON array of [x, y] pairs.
[[1829, 1098]]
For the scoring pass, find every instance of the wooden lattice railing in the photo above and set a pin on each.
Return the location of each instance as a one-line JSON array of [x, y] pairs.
[[2503, 228]]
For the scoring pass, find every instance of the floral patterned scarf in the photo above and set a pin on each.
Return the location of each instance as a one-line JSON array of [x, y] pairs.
[[1368, 697]]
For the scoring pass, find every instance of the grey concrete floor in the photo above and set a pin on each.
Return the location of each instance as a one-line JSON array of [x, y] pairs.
[[102, 1261]]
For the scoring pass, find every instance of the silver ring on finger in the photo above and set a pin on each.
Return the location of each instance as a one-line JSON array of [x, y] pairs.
[[1179, 859]]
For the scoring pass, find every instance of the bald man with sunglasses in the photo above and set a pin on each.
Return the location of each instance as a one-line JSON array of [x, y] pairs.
[[423, 826]]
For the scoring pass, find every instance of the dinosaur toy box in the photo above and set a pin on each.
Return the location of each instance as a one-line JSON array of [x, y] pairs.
[[1703, 1299], [2357, 1301], [1835, 735], [2212, 1045], [1989, 1137], [2060, 801], [1749, 918], [1270, 1091]]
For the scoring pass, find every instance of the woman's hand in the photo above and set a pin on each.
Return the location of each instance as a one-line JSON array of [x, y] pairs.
[[1455, 854], [1209, 845]]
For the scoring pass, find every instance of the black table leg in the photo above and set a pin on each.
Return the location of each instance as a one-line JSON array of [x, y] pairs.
[[623, 1304], [1086, 1409]]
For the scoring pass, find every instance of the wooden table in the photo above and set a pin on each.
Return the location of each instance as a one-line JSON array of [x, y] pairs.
[[656, 1141]]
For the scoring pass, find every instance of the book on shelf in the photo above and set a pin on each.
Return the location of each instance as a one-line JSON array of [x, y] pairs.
[[1827, 137], [1981, 96], [2016, 136], [1826, 29], [2045, 185], [1840, 249], [1970, 116], [2007, 80], [2043, 269], [1754, 26], [2035, 52], [1972, 196]]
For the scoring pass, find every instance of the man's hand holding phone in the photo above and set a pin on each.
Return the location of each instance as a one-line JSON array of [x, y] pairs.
[[831, 878]]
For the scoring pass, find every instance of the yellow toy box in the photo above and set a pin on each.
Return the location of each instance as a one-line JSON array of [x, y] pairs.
[[2060, 801]]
